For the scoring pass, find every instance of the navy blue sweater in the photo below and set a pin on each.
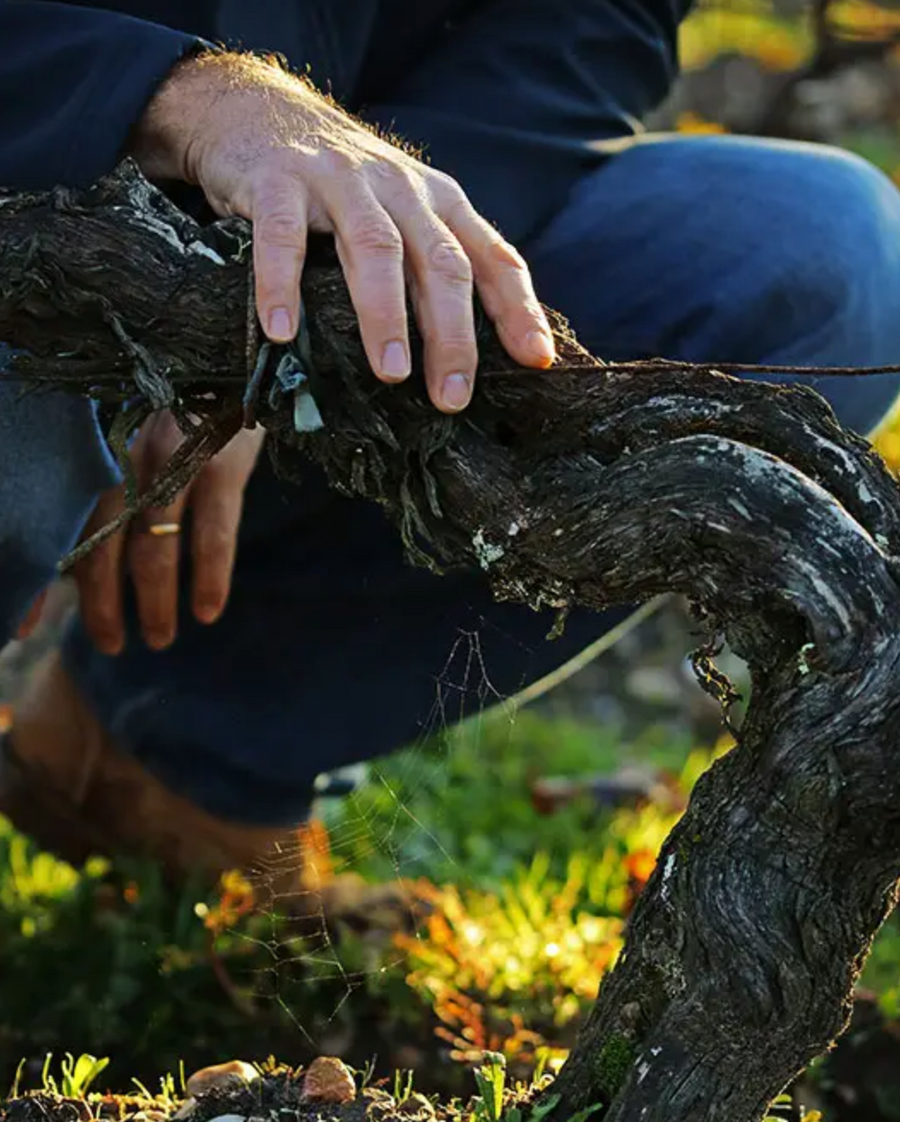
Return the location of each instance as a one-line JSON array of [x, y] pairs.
[[506, 95]]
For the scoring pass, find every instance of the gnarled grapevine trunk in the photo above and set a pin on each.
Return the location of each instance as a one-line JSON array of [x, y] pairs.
[[594, 485]]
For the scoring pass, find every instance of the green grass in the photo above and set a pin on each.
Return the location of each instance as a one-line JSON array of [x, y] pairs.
[[459, 809]]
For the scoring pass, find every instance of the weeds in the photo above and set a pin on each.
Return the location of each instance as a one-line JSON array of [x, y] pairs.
[[786, 1102], [403, 1086], [490, 1078], [489, 1105], [76, 1075]]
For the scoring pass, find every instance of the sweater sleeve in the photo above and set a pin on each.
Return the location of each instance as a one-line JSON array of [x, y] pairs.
[[513, 100], [73, 81]]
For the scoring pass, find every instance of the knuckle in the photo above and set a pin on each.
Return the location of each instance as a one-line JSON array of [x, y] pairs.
[[336, 159], [97, 587], [505, 256], [271, 176], [397, 177], [372, 235], [280, 229], [447, 188], [380, 324], [447, 259], [97, 602], [453, 204]]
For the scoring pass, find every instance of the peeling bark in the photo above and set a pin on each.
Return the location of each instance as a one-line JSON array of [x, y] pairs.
[[591, 485]]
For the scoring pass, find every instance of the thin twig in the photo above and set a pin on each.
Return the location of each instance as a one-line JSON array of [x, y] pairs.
[[668, 365]]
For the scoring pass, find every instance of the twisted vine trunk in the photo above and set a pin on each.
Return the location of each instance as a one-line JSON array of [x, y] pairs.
[[593, 485]]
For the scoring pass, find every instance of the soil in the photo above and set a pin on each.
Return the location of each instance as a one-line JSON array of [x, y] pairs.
[[861, 1083], [277, 1095]]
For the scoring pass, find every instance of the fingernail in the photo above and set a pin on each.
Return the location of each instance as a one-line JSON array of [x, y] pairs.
[[159, 640], [395, 361], [208, 612], [456, 392], [111, 646], [280, 329], [541, 344]]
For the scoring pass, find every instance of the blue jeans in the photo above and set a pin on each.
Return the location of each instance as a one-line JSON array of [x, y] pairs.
[[332, 649]]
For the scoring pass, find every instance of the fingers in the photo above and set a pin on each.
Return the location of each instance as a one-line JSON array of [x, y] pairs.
[[396, 221], [379, 245], [370, 249], [153, 556], [428, 233], [99, 578], [441, 278], [151, 548], [279, 217], [217, 500], [504, 285]]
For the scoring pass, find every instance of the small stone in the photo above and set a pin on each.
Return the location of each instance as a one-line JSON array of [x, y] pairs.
[[328, 1080], [231, 1076], [186, 1109], [228, 1118]]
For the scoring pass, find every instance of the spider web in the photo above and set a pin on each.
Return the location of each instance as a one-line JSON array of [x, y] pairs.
[[318, 976], [320, 959]]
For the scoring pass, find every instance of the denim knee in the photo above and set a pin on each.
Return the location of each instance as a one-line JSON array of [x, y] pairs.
[[731, 249], [832, 289], [841, 261]]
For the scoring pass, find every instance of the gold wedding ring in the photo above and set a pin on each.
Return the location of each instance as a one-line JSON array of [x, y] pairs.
[[164, 529]]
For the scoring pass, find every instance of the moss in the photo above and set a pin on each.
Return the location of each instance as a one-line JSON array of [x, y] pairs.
[[612, 1065]]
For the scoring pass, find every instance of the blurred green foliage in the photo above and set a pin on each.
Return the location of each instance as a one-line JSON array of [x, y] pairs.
[[460, 809], [109, 960]]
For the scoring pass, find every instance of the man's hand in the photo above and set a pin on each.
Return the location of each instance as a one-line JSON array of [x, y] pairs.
[[263, 144], [214, 499]]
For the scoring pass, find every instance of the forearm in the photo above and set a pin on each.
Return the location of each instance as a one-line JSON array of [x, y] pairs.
[[206, 85]]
